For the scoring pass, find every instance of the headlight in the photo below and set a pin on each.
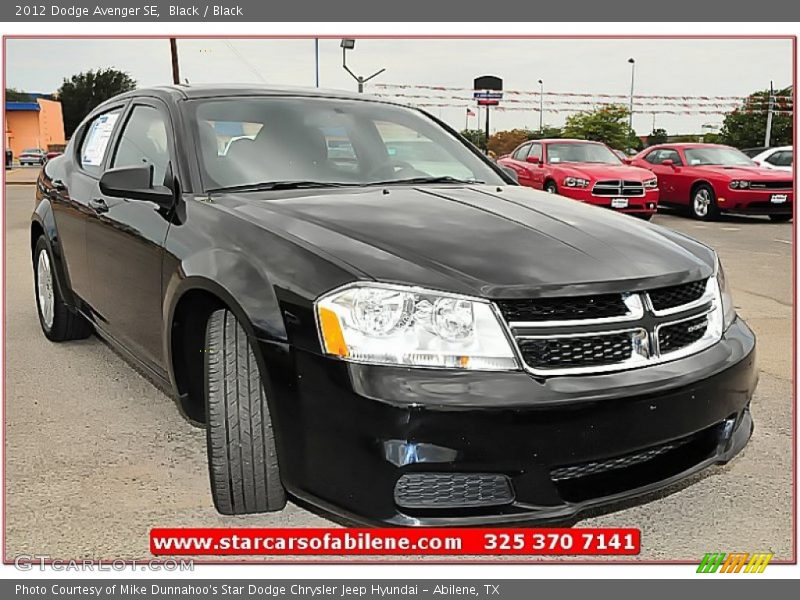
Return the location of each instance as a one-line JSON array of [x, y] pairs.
[[576, 182], [728, 311], [398, 325], [651, 184], [737, 184]]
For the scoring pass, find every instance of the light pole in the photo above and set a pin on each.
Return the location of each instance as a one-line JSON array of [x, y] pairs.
[[316, 60], [630, 116], [349, 44], [541, 105]]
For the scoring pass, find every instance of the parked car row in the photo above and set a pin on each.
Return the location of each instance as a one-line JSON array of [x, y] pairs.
[[706, 179], [31, 157]]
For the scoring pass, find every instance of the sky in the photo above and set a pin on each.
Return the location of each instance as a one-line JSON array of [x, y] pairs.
[[667, 67]]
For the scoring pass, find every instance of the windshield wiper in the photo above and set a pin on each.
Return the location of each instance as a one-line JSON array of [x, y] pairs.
[[278, 185], [421, 180]]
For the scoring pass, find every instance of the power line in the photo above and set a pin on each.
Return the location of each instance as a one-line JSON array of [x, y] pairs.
[[245, 61]]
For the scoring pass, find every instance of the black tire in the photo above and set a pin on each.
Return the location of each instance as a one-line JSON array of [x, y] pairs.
[[780, 218], [65, 324], [550, 187], [242, 459], [646, 216], [703, 203]]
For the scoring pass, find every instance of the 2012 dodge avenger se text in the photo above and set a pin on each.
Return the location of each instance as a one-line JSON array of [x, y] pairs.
[[371, 317]]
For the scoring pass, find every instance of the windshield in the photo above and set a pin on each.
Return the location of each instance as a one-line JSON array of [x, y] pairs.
[[581, 153], [717, 155], [311, 141]]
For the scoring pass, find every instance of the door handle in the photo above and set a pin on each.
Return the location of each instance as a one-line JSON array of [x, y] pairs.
[[99, 205]]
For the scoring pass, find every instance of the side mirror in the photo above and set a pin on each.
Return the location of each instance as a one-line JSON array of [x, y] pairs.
[[135, 183], [534, 160], [668, 162], [627, 161], [510, 172]]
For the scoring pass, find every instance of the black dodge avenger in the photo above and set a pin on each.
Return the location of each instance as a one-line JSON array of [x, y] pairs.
[[372, 318]]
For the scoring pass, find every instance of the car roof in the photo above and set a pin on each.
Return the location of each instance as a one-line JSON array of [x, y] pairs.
[[190, 91], [568, 141]]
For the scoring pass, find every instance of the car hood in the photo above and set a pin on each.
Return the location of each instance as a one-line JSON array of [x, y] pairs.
[[598, 171], [496, 242], [755, 173]]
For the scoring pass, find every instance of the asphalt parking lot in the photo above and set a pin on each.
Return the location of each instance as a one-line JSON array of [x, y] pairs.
[[96, 456]]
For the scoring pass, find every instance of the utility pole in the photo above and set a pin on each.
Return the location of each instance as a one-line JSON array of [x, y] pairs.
[[176, 73], [541, 106], [487, 130], [630, 116], [316, 60], [770, 106]]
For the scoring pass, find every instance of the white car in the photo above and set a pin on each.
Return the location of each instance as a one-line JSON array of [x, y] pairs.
[[780, 158]]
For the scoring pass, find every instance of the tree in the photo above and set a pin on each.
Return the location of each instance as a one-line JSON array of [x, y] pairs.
[[746, 126], [476, 136], [14, 95], [547, 132], [503, 142], [607, 124], [657, 136], [81, 93]]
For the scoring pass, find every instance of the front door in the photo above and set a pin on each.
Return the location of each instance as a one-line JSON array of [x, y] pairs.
[[125, 241]]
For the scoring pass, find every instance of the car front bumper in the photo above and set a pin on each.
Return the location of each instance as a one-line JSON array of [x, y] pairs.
[[640, 205], [348, 433], [756, 202]]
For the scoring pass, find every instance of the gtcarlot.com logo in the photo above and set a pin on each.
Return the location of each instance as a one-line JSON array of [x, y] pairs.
[[734, 562]]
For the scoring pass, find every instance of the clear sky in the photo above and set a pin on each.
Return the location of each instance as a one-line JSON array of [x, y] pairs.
[[674, 67]]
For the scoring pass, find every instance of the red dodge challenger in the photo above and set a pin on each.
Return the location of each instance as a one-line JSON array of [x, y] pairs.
[[709, 179], [585, 171]]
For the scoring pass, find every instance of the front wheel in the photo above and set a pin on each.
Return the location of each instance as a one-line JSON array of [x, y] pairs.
[[646, 216], [242, 459], [58, 322], [550, 187], [703, 204], [780, 218]]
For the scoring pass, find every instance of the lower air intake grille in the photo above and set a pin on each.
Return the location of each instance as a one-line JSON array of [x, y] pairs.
[[676, 336], [569, 352], [452, 490], [622, 462], [676, 295]]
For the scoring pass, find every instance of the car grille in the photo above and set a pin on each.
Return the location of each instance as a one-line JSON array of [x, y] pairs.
[[583, 351], [564, 309], [618, 188], [771, 185], [452, 490], [607, 332], [676, 295], [678, 335]]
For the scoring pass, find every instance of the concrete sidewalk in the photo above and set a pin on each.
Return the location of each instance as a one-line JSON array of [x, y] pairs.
[[22, 175]]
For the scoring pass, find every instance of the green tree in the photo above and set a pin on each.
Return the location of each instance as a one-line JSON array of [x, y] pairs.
[[503, 142], [746, 126], [547, 132], [14, 95], [81, 93], [657, 136], [476, 136], [608, 124]]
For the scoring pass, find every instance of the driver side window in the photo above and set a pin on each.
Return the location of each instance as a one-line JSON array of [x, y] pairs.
[[144, 141]]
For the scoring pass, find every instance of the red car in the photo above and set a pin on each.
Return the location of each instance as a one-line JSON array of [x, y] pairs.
[[709, 179], [585, 171]]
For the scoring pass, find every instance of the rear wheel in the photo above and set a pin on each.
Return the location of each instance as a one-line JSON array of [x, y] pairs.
[[780, 218], [242, 459], [703, 204], [58, 322]]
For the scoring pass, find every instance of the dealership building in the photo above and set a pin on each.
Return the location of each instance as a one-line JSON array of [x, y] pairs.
[[37, 123]]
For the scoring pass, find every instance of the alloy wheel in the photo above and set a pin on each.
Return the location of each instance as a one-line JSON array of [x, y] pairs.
[[44, 289]]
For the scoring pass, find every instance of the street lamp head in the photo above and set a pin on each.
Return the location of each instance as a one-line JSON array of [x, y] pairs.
[[348, 43], [540, 82], [630, 60]]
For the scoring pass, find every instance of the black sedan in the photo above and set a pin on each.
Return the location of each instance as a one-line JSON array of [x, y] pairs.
[[371, 317]]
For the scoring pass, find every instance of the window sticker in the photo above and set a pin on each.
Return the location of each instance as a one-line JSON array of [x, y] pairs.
[[94, 148]]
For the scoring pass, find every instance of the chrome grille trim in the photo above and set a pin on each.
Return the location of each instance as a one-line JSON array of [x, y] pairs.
[[619, 188], [644, 352]]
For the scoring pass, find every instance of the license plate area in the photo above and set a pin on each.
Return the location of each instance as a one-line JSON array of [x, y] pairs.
[[779, 198], [619, 203]]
